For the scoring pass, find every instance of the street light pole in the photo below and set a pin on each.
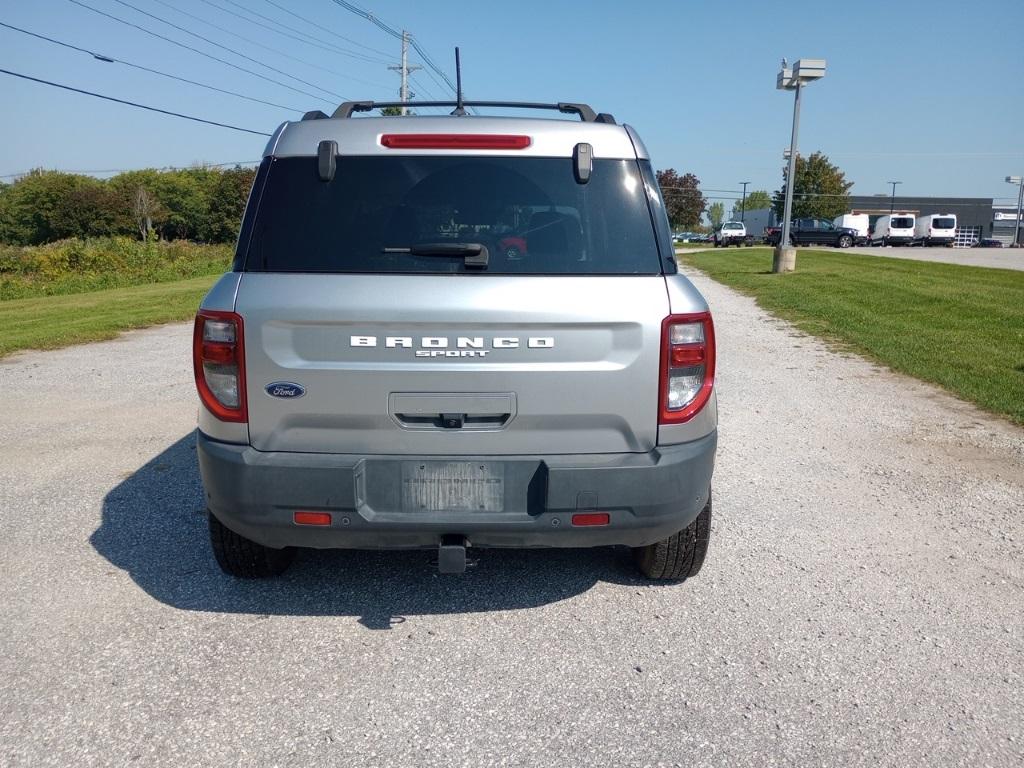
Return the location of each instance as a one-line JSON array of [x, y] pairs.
[[803, 72], [1019, 181], [790, 175], [743, 204], [892, 198]]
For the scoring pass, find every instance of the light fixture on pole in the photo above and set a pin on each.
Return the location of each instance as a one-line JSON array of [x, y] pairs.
[[1019, 181], [793, 79], [743, 204], [892, 198]]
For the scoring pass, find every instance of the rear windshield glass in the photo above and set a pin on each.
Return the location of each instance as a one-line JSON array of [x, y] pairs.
[[733, 226], [901, 222], [528, 212], [943, 223]]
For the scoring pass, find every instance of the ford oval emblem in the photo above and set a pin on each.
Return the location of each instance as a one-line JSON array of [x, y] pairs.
[[285, 389]]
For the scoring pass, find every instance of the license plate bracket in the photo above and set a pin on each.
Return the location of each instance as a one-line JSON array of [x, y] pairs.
[[453, 486]]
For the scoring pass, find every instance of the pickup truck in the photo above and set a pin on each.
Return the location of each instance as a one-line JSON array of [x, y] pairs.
[[813, 232], [731, 233]]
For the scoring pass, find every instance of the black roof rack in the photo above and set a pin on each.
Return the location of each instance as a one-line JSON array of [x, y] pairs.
[[586, 114]]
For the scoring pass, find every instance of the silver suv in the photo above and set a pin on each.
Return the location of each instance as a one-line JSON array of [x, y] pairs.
[[451, 331]]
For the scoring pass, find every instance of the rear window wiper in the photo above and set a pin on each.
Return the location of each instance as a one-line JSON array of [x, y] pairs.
[[475, 254]]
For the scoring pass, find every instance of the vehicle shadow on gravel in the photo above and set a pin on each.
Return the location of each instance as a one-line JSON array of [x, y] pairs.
[[154, 527]]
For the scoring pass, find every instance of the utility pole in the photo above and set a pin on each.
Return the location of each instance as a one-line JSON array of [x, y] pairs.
[[405, 70], [892, 198], [1019, 181], [743, 205]]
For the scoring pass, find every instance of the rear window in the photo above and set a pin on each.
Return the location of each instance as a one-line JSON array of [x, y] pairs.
[[733, 226], [949, 223], [529, 213], [901, 222]]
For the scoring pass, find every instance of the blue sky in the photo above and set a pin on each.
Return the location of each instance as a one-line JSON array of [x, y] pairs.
[[928, 93]]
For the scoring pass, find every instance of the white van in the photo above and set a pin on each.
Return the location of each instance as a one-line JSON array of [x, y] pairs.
[[897, 229], [935, 229], [858, 221]]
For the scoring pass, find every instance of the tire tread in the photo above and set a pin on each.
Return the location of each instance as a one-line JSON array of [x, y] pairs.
[[681, 555], [243, 558]]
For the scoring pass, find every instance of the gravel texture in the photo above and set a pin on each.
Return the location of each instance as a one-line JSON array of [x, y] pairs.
[[861, 603]]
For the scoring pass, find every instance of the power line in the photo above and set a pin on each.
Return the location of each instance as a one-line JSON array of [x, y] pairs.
[[249, 40], [133, 104], [328, 48], [397, 34], [133, 170], [226, 48], [314, 24], [200, 52], [112, 60], [302, 37]]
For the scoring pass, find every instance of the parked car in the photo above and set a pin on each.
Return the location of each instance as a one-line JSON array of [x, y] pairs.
[[897, 229], [935, 229], [989, 242], [375, 373], [731, 233], [814, 232]]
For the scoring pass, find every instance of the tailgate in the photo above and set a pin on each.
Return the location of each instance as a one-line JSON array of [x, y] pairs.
[[452, 364]]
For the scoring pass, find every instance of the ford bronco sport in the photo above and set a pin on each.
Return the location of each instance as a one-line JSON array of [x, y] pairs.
[[443, 332]]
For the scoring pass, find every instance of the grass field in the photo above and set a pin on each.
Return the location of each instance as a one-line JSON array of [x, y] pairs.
[[959, 327], [48, 322]]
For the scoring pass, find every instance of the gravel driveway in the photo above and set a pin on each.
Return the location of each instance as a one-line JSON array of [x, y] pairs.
[[861, 605]]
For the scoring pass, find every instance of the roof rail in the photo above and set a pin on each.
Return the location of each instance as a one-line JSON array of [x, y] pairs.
[[587, 115]]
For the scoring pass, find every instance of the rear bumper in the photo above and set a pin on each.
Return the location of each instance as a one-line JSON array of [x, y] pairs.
[[647, 496]]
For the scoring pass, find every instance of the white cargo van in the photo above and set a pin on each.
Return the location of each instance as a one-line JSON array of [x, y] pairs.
[[935, 229], [897, 229], [858, 221]]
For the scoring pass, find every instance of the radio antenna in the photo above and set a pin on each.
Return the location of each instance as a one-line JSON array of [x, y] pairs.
[[459, 109]]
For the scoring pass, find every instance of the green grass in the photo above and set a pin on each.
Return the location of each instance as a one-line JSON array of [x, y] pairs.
[[57, 321], [959, 327]]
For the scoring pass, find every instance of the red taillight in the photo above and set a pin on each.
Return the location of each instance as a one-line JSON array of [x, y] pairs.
[[312, 518], [218, 360], [453, 141], [687, 366], [591, 518]]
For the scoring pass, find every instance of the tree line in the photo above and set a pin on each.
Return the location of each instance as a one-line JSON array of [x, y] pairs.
[[820, 190], [201, 204]]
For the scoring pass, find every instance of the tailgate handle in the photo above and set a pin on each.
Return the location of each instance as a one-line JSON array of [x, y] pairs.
[[452, 420], [465, 411]]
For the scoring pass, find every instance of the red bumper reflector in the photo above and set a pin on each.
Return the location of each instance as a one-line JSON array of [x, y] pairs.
[[591, 518], [312, 518], [453, 141]]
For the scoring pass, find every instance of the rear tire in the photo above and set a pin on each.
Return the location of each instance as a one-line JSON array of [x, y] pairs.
[[681, 555], [245, 559]]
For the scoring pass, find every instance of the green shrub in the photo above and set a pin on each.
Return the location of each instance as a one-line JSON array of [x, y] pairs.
[[76, 266]]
